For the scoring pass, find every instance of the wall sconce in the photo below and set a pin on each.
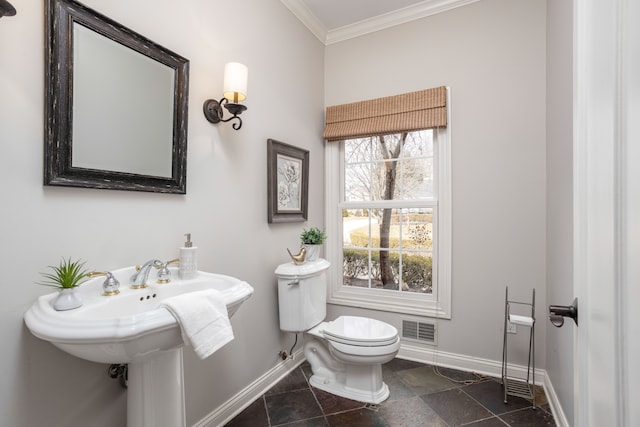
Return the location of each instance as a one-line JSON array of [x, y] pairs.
[[6, 9], [235, 90]]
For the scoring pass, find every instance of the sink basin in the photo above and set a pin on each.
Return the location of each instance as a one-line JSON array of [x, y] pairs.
[[127, 326]]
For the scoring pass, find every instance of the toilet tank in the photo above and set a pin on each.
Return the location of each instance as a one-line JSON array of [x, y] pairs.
[[302, 294]]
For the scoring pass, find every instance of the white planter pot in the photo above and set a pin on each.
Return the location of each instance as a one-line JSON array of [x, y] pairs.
[[67, 299], [312, 252]]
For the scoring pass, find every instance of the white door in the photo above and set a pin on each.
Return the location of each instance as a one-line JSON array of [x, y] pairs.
[[607, 212]]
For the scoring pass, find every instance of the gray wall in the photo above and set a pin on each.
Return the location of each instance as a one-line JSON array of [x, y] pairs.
[[225, 207], [492, 55], [560, 195]]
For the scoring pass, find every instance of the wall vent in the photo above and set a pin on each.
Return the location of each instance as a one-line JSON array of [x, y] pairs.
[[419, 331]]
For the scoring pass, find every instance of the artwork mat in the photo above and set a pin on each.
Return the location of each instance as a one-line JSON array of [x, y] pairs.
[[284, 161]]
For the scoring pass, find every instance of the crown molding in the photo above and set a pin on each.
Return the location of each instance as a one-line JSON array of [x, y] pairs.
[[377, 23], [303, 13], [391, 19]]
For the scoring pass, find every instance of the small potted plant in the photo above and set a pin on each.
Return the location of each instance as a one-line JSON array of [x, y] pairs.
[[66, 277], [311, 240]]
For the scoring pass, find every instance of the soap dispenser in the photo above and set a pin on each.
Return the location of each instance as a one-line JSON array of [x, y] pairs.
[[188, 261]]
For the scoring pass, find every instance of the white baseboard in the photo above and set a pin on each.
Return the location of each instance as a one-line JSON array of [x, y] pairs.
[[249, 394], [554, 403], [462, 362], [232, 407]]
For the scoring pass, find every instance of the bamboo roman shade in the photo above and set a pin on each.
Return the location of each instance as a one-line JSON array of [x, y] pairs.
[[400, 113]]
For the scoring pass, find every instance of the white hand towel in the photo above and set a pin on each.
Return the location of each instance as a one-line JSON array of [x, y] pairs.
[[203, 319]]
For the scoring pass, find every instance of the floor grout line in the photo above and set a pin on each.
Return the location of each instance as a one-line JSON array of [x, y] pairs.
[[324, 414]]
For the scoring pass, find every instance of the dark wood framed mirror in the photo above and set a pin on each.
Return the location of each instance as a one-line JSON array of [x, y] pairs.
[[116, 105]]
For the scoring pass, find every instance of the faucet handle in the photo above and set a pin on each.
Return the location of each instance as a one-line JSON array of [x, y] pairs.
[[110, 286], [164, 275]]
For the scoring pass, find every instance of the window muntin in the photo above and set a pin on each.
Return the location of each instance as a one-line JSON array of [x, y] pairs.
[[367, 162], [388, 245], [409, 250], [429, 194]]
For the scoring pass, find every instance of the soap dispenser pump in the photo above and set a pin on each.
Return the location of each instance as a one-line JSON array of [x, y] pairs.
[[188, 260]]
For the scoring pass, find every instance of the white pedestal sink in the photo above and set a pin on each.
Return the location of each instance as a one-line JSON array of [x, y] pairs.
[[133, 328]]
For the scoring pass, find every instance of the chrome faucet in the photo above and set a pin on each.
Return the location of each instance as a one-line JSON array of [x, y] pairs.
[[139, 279]]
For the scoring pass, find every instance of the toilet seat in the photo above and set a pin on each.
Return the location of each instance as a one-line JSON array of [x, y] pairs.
[[360, 332], [352, 350]]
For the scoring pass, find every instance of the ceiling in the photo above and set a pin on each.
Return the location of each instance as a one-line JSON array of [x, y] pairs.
[[336, 20]]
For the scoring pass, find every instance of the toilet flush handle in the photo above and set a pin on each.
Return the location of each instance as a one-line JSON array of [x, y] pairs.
[[295, 281]]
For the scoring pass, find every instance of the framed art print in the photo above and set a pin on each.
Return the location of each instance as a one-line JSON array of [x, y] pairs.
[[287, 182]]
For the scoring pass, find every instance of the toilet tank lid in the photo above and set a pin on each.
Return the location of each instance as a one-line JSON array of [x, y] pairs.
[[290, 270]]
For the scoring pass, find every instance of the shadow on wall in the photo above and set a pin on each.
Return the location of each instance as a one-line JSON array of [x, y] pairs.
[[53, 382]]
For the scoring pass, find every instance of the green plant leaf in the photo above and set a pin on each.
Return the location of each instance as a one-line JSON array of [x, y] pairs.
[[313, 236], [68, 274]]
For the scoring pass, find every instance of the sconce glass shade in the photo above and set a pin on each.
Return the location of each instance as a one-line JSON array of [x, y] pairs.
[[235, 82]]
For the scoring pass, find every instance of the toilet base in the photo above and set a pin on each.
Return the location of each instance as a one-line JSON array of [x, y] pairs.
[[332, 386], [361, 382]]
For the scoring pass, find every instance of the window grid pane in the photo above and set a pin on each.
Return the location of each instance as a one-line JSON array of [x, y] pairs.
[[388, 212], [405, 160]]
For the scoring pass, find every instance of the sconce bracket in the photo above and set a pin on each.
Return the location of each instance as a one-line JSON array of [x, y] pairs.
[[213, 111], [235, 109], [6, 9]]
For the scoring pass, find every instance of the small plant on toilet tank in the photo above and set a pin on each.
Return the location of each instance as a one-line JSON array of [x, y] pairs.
[[311, 240]]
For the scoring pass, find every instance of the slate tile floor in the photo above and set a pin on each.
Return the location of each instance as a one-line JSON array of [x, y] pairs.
[[419, 397]]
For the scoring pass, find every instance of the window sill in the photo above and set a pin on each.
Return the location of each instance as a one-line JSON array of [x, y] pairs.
[[397, 302]]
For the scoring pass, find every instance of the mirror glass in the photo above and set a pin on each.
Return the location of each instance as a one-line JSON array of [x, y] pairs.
[[116, 107], [141, 141]]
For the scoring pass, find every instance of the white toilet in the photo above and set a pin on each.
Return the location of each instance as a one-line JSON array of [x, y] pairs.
[[345, 354]]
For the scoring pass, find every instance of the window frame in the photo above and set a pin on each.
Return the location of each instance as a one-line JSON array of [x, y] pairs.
[[438, 303]]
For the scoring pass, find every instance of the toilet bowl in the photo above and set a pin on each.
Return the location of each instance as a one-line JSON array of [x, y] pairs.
[[346, 354], [348, 362]]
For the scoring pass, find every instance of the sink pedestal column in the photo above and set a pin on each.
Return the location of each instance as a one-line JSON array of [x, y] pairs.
[[155, 393]]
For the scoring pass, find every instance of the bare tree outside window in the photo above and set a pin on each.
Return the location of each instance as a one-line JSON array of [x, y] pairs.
[[396, 237]]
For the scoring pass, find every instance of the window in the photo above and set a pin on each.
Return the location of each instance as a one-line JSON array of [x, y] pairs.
[[388, 204]]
